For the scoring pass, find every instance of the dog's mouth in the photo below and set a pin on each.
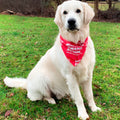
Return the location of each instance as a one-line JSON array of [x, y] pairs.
[[72, 29]]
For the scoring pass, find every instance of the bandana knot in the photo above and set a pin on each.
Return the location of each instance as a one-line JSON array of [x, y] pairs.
[[73, 52]]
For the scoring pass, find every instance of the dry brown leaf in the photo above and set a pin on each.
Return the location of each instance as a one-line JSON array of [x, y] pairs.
[[11, 94], [7, 113]]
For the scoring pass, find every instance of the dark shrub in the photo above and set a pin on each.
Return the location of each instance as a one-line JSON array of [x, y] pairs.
[[111, 14]]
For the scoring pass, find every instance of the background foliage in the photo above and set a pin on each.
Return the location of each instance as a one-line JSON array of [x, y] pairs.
[[105, 9]]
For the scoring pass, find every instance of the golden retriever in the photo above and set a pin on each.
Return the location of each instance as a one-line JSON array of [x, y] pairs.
[[54, 74]]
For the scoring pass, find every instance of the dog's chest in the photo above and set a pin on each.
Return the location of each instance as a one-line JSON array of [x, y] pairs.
[[81, 72]]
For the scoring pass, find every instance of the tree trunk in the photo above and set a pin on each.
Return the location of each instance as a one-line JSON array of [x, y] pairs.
[[83, 0], [110, 4], [96, 7]]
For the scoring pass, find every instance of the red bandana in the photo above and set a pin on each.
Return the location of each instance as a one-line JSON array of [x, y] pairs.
[[73, 52]]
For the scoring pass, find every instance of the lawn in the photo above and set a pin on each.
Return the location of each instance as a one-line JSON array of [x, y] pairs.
[[23, 40]]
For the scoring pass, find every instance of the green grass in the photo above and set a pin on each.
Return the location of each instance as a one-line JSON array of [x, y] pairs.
[[23, 40]]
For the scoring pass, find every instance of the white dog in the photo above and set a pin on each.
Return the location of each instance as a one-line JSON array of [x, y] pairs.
[[68, 64]]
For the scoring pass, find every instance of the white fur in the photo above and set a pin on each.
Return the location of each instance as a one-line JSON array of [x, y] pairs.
[[54, 73]]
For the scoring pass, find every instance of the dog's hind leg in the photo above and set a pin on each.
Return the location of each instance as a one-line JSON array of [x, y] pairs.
[[34, 96], [50, 100]]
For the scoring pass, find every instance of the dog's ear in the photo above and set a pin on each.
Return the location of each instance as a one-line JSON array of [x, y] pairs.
[[88, 13], [58, 19]]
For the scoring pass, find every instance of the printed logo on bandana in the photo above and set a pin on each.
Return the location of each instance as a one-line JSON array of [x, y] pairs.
[[73, 52]]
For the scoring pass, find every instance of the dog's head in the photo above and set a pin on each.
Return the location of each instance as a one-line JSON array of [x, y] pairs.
[[73, 14]]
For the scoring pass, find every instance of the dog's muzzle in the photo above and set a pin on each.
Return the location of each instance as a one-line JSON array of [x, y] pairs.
[[72, 25]]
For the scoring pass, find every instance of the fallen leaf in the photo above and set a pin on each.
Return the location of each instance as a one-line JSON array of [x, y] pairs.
[[7, 113], [35, 56], [26, 56], [4, 104], [36, 42], [48, 110], [118, 38], [11, 94], [117, 26], [117, 94], [104, 104], [97, 86], [96, 66], [26, 113], [1, 47], [10, 43]]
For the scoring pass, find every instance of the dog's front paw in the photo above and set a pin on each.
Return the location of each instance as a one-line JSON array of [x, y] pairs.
[[83, 116], [95, 109]]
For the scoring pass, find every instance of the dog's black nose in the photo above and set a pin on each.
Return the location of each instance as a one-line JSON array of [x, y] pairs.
[[71, 22]]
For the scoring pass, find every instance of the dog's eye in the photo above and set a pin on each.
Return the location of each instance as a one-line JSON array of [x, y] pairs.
[[65, 12], [78, 11]]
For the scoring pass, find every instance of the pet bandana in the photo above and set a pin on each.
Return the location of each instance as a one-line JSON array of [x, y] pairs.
[[73, 52]]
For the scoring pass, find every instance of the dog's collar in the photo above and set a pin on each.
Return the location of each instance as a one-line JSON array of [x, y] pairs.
[[73, 52]]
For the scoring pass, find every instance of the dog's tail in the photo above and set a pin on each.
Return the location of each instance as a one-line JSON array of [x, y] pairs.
[[16, 82]]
